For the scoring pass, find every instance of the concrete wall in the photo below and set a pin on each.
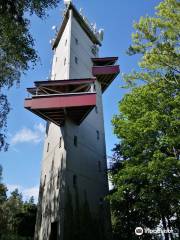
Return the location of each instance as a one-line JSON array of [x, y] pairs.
[[70, 173]]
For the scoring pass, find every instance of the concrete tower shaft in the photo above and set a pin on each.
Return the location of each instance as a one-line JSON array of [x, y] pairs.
[[74, 168]]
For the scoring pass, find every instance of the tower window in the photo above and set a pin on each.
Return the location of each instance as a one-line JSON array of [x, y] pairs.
[[60, 142], [75, 141], [44, 183], [76, 60], [47, 127], [62, 162], [48, 147], [74, 180], [99, 166], [64, 61], [66, 42], [96, 109], [101, 201], [98, 135], [94, 50], [76, 41], [58, 180]]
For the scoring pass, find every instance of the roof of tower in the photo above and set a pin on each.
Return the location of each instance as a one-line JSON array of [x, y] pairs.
[[82, 23]]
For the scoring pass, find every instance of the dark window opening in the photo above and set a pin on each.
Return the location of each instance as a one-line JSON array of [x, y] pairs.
[[99, 166], [64, 61], [48, 147], [66, 42], [47, 127], [94, 50], [58, 180], [98, 135], [94, 87], [60, 142], [76, 40], [54, 231], [75, 141], [76, 60], [96, 109], [74, 180], [44, 183], [61, 162], [101, 201]]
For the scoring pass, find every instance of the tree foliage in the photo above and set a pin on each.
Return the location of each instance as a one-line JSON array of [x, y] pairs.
[[157, 40], [16, 46], [17, 218], [147, 168]]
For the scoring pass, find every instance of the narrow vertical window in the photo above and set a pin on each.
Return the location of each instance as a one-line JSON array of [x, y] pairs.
[[94, 87], [58, 179], [44, 182], [60, 142], [62, 162], [66, 42], [76, 60], [101, 201], [47, 127], [74, 180], [99, 166], [76, 41], [96, 109], [75, 141], [98, 135], [64, 61], [48, 147]]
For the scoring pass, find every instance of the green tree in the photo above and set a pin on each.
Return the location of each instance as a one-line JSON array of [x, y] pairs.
[[146, 172], [26, 219], [157, 40], [3, 198], [16, 47], [12, 207], [18, 218]]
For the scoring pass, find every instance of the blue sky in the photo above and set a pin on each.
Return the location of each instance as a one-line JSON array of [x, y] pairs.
[[22, 163]]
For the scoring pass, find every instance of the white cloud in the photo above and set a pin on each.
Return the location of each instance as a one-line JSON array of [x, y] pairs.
[[26, 192], [27, 135], [41, 127], [33, 191], [12, 187]]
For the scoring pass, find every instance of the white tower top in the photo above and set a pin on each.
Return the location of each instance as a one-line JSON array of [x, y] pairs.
[[83, 22], [67, 2]]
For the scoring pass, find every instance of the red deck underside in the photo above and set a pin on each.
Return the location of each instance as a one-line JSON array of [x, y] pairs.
[[53, 108], [105, 74], [104, 61]]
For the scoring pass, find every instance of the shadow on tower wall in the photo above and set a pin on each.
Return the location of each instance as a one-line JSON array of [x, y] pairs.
[[79, 224]]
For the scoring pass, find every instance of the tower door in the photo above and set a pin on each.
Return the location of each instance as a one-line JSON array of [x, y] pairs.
[[54, 231]]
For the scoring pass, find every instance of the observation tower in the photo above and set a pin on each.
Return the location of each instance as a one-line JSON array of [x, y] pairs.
[[74, 180]]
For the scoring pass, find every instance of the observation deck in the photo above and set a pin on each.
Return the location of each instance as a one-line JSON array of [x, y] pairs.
[[105, 70], [54, 100]]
